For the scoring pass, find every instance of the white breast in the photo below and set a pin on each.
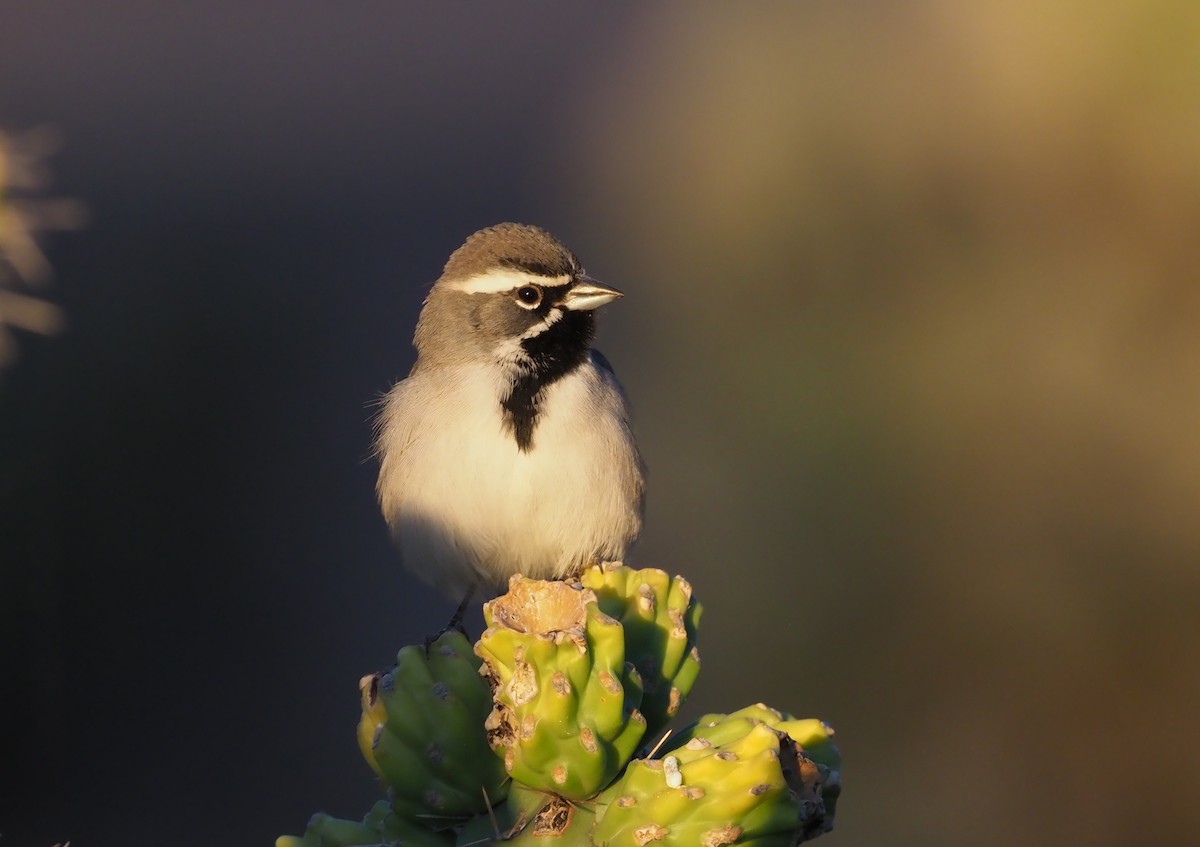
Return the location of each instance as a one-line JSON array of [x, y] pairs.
[[463, 501]]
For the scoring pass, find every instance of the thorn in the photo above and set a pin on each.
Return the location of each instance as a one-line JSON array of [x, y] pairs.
[[660, 743], [491, 811]]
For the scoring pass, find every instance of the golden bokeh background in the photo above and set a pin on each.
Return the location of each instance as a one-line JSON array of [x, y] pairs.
[[924, 361]]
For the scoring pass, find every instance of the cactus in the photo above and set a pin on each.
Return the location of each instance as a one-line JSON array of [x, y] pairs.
[[660, 619], [422, 732], [529, 741], [566, 715], [531, 817], [381, 826], [733, 780], [813, 738]]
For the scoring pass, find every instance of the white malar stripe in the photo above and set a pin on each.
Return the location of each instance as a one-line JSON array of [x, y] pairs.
[[510, 352], [552, 317], [500, 280]]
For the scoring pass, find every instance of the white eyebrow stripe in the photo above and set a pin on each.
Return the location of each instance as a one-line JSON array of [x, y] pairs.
[[499, 280]]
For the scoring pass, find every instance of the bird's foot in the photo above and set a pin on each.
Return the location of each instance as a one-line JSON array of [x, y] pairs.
[[455, 624]]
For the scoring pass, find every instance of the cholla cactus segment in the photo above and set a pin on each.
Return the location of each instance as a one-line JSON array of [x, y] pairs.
[[734, 781], [422, 731], [808, 739], [660, 618], [815, 737], [566, 713], [382, 827]]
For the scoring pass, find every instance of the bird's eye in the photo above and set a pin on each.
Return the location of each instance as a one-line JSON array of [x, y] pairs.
[[529, 296]]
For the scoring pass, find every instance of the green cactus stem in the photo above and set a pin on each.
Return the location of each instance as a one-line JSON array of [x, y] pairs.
[[381, 826], [528, 740], [422, 732], [736, 780], [812, 737], [661, 619], [565, 717]]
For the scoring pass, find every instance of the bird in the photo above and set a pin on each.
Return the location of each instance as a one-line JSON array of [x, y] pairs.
[[509, 447]]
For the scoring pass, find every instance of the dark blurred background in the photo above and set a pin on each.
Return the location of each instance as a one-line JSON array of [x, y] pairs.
[[912, 332]]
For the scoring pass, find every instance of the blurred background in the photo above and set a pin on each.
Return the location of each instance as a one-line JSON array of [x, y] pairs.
[[912, 334]]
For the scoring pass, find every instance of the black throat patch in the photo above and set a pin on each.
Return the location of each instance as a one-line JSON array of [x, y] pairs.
[[551, 355]]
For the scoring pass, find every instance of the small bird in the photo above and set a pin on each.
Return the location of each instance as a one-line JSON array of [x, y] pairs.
[[508, 448]]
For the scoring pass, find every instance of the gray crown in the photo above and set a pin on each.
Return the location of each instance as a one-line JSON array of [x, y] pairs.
[[511, 245]]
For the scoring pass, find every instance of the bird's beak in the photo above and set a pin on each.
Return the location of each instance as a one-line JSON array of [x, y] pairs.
[[587, 294]]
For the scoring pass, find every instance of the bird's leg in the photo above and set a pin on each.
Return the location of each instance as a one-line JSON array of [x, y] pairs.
[[456, 620]]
